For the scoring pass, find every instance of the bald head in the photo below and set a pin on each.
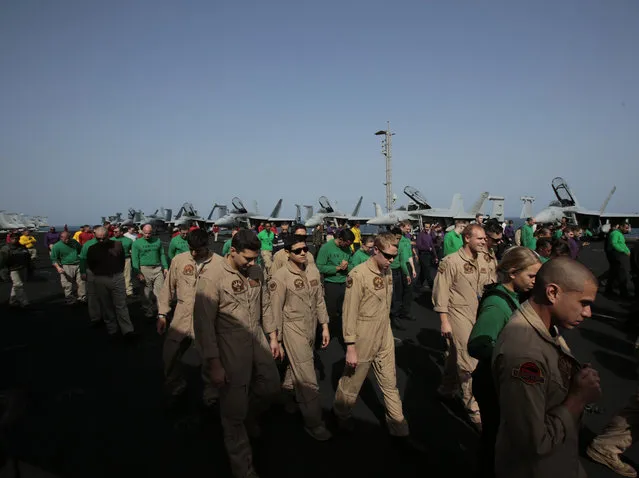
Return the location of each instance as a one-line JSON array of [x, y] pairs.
[[64, 236], [100, 232], [568, 274]]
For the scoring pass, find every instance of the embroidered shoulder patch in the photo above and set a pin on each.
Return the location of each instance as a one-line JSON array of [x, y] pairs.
[[299, 284], [529, 372], [238, 286], [378, 283], [314, 283], [188, 270], [272, 286], [349, 282], [487, 257], [442, 267]]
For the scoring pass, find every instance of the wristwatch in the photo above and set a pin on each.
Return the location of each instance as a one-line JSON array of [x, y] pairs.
[[161, 316]]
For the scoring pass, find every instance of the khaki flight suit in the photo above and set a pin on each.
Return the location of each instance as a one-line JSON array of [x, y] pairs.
[[280, 259], [491, 262], [297, 303], [366, 323], [458, 286], [228, 315], [533, 369], [180, 284]]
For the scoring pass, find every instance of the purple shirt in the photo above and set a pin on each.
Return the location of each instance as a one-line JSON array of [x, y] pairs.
[[509, 232], [574, 247], [425, 242], [51, 238]]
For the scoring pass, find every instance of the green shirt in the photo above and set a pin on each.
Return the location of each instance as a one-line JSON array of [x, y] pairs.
[[266, 238], [358, 258], [527, 238], [83, 254], [404, 252], [617, 242], [226, 248], [493, 315], [544, 259], [452, 242], [557, 234], [147, 252], [328, 258], [66, 254], [126, 244], [177, 246]]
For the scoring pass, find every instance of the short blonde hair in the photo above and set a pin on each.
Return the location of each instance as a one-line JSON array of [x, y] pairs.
[[384, 240]]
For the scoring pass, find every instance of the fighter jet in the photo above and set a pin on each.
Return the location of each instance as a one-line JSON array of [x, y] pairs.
[[419, 209], [327, 213], [240, 215], [567, 206], [187, 215]]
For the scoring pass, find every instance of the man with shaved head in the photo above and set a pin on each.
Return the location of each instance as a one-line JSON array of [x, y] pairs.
[[105, 259], [149, 264], [542, 388]]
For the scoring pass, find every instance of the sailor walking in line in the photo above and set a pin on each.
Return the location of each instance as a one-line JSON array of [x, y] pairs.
[[148, 261]]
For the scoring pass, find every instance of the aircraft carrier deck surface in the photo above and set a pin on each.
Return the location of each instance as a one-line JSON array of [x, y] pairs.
[[95, 407]]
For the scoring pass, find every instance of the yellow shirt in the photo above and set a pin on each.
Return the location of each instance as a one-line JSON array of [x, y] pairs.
[[28, 241], [76, 236], [358, 237]]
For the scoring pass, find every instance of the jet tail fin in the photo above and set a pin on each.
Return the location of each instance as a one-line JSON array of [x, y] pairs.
[[255, 207], [168, 213], [357, 206], [457, 205], [276, 209], [479, 203], [498, 208], [309, 212], [298, 213], [378, 210], [527, 210], [605, 203]]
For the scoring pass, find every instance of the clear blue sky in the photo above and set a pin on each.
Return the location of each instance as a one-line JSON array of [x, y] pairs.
[[110, 105]]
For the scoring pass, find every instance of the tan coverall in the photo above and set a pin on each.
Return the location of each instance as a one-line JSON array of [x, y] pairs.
[[180, 284], [491, 262], [366, 323], [297, 303], [228, 315], [280, 259], [533, 369], [458, 286]]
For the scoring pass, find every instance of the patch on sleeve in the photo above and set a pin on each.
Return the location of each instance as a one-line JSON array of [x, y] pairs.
[[272, 286], [188, 270], [378, 283], [314, 283], [349, 282], [442, 267], [254, 283], [529, 372]]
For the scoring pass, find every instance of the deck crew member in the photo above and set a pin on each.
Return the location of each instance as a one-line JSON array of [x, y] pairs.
[[65, 256], [179, 243], [95, 310], [280, 258], [51, 238], [369, 339], [15, 262], [427, 256], [132, 233], [332, 262], [180, 284], [459, 284], [28, 241], [363, 253], [494, 237], [516, 271], [266, 237], [230, 310], [542, 388], [453, 239], [149, 265], [527, 234], [402, 278], [226, 248], [127, 244], [619, 257], [357, 242], [105, 260], [297, 303]]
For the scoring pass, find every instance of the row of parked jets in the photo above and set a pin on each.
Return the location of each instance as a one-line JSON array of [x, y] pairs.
[[417, 210]]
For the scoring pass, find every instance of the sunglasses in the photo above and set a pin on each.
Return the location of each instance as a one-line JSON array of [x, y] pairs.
[[496, 239], [388, 256], [299, 250]]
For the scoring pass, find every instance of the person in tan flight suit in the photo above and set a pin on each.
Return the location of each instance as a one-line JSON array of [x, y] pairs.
[[280, 258], [542, 389], [230, 311], [494, 237], [180, 284], [297, 303], [369, 339], [459, 284]]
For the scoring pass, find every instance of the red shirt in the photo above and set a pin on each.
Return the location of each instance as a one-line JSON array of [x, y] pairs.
[[193, 228], [85, 237]]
